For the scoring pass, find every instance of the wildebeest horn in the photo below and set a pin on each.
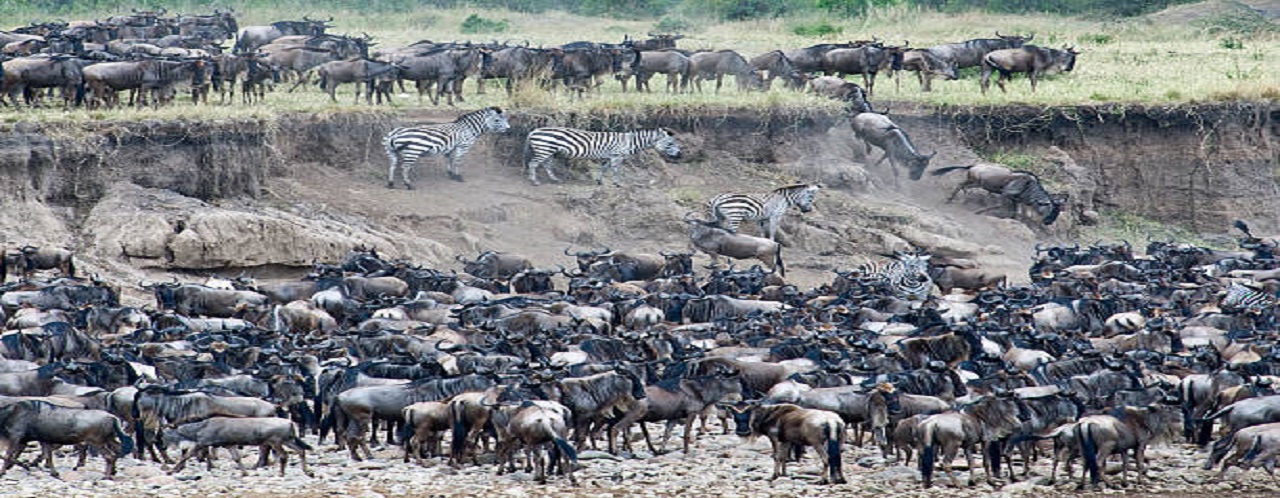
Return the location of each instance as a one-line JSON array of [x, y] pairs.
[[1031, 37], [998, 35]]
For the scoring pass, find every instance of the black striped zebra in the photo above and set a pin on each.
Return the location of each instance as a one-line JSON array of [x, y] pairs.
[[730, 210], [612, 147], [907, 275], [406, 145], [1243, 297]]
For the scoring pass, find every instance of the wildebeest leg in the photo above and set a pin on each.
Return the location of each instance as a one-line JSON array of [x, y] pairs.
[[1004, 76], [83, 454], [46, 452], [648, 441], [182, 461], [1032, 76], [781, 451]]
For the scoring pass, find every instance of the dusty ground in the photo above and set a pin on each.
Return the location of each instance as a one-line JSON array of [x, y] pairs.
[[718, 466]]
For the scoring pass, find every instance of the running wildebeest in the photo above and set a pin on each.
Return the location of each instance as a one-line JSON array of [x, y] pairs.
[[877, 130], [1017, 187]]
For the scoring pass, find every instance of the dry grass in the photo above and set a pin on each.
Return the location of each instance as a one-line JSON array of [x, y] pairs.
[[1134, 61]]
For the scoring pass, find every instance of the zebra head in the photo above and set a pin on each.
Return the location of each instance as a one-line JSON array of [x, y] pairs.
[[666, 143], [495, 120], [804, 199]]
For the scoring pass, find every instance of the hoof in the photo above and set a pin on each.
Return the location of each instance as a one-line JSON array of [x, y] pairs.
[[391, 186], [456, 178]]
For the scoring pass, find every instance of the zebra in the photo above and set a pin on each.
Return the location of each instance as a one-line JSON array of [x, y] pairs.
[[612, 147], [406, 145], [1247, 297], [730, 210], [907, 275]]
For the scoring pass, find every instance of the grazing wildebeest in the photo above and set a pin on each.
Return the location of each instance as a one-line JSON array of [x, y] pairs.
[[270, 433], [775, 64], [359, 71], [927, 64], [708, 237], [715, 65], [866, 60], [791, 428], [51, 426], [877, 130], [1030, 59], [674, 64], [1017, 187]]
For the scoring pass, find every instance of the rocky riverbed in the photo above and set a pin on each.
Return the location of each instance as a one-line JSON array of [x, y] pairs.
[[718, 466]]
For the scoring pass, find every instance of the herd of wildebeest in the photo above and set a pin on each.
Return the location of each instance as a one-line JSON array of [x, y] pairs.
[[154, 56], [1105, 352]]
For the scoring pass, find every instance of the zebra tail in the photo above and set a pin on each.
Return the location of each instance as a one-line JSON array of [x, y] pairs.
[[948, 169]]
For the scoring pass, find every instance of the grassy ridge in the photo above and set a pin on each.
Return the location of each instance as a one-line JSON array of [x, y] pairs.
[[1133, 61]]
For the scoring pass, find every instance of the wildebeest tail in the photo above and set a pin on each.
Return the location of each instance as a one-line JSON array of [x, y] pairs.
[[296, 443], [139, 429], [1219, 450], [832, 436], [71, 260], [406, 431], [332, 420], [1255, 449], [1217, 414], [458, 446], [1089, 451], [948, 169], [566, 448], [126, 442], [928, 454]]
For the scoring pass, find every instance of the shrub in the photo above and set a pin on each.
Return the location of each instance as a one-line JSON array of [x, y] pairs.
[[1096, 38], [1230, 43], [817, 29], [672, 25], [475, 24]]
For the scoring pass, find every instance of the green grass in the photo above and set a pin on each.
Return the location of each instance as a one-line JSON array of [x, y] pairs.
[[1131, 61], [1116, 226]]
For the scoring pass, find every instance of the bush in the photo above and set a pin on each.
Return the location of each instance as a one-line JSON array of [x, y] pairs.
[[672, 25], [817, 29], [476, 24], [1096, 38], [1231, 43]]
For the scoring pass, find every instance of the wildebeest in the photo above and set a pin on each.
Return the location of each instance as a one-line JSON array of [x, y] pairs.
[[424, 427], [149, 77], [51, 426], [252, 37], [541, 427], [1017, 187], [839, 89], [791, 428], [198, 300], [866, 60], [775, 64], [674, 64], [708, 237], [27, 76], [877, 130], [28, 259], [927, 64], [1030, 59], [1121, 430], [716, 65], [273, 434], [359, 71], [983, 423], [1252, 445], [970, 53]]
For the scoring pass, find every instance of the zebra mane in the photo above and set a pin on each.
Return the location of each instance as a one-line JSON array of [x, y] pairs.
[[792, 187], [479, 112]]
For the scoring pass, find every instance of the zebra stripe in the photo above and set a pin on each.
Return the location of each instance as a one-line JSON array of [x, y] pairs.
[[907, 276], [545, 143], [732, 209], [1244, 298], [405, 146]]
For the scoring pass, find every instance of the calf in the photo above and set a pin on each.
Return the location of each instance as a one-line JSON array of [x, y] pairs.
[[424, 424], [268, 433], [541, 426], [790, 427]]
